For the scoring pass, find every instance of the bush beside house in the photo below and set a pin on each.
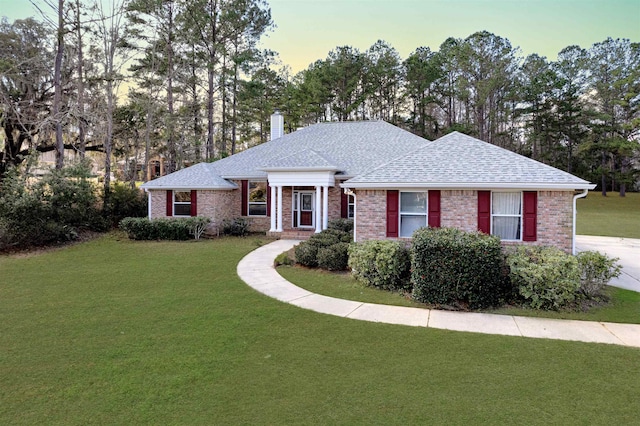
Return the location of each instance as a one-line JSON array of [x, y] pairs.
[[446, 266], [457, 268], [383, 264], [327, 249], [142, 228]]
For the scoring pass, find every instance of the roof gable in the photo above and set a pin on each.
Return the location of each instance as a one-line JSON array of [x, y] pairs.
[[461, 161], [198, 176]]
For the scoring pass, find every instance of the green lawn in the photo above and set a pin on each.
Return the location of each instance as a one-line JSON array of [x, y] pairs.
[[120, 332], [611, 216]]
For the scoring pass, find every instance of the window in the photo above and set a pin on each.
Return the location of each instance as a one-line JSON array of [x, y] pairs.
[[257, 198], [413, 212], [351, 207], [182, 203], [506, 215]]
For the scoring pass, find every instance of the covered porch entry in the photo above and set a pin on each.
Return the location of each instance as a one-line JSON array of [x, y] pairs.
[[305, 207]]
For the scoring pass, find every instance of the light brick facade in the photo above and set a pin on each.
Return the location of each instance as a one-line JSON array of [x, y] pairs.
[[459, 209], [227, 205]]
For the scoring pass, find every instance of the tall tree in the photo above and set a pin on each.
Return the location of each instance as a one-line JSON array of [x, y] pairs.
[[423, 69], [111, 32], [614, 67], [26, 78]]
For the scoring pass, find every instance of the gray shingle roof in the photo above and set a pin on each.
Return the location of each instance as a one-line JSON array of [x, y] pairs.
[[301, 160], [375, 154], [198, 176], [352, 147], [460, 161]]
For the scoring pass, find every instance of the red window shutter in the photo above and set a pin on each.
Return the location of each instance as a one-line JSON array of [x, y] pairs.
[[268, 200], [169, 203], [245, 197], [393, 206], [484, 211], [344, 205], [194, 203], [530, 216], [434, 209]]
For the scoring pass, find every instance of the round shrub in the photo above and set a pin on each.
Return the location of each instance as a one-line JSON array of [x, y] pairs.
[[382, 264], [344, 225], [333, 258], [307, 254], [307, 251], [453, 267], [596, 270], [546, 277]]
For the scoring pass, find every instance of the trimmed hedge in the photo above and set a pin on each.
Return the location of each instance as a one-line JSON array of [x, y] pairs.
[[453, 267], [383, 264], [334, 257], [142, 228], [344, 225], [326, 249], [238, 227], [546, 277]]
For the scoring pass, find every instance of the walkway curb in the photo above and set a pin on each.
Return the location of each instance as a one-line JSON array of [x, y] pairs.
[[256, 270]]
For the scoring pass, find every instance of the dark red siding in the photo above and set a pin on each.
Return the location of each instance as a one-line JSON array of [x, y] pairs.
[[194, 203], [434, 209], [169, 203], [530, 215], [344, 205], [484, 211], [245, 198], [393, 204]]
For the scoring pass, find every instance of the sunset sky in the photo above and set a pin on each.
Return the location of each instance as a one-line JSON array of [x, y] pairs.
[[306, 30]]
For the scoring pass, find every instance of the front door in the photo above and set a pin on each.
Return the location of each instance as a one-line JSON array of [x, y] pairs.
[[304, 209]]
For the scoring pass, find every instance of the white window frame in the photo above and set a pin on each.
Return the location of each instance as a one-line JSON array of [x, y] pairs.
[[181, 203], [509, 215], [401, 213], [351, 206], [257, 203]]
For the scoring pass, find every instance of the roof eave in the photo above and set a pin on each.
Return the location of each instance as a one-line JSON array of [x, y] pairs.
[[190, 188], [300, 169], [461, 185]]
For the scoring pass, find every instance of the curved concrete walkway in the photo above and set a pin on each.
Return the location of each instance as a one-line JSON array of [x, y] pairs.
[[256, 269]]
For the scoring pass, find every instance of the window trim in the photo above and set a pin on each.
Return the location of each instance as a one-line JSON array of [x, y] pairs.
[[401, 213], [257, 203], [181, 203], [351, 206], [521, 215]]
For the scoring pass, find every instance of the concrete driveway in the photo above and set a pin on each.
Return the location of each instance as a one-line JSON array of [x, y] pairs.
[[627, 249]]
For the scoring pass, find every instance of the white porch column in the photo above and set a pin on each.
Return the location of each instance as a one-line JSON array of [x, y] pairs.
[[318, 212], [325, 207], [274, 212], [279, 217]]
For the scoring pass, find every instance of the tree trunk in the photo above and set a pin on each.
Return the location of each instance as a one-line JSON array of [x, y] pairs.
[[57, 82], [81, 120]]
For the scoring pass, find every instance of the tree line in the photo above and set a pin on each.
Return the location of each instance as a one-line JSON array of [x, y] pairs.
[[188, 81]]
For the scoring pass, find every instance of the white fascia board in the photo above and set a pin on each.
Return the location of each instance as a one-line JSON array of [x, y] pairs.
[[448, 185], [307, 178], [244, 177], [190, 188], [299, 169]]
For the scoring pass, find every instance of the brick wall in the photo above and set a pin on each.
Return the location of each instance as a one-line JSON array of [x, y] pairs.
[[459, 209], [371, 215], [158, 204], [555, 219]]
